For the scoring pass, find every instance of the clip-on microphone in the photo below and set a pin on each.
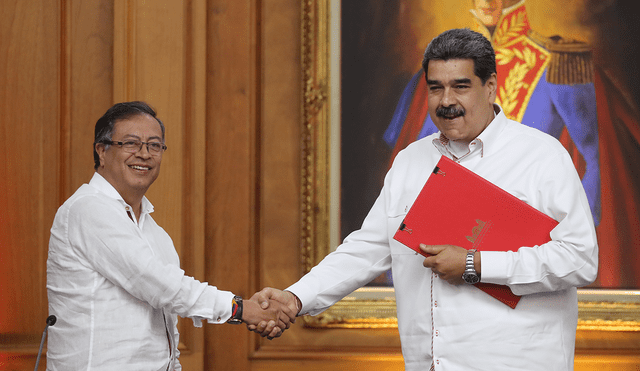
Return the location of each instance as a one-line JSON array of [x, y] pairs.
[[51, 320]]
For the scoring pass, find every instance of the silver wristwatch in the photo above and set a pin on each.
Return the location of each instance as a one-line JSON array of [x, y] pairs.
[[470, 275]]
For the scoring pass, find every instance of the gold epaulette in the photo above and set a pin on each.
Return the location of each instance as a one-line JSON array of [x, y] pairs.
[[571, 61]]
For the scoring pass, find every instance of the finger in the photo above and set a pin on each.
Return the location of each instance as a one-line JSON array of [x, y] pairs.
[[424, 248], [275, 333], [429, 262], [283, 323], [289, 312], [285, 320], [261, 326], [429, 249], [270, 326]]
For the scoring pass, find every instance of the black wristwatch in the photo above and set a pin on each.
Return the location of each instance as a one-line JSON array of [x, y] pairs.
[[470, 275], [236, 311]]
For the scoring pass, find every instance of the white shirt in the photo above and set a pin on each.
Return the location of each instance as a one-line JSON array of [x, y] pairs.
[[115, 286], [461, 327]]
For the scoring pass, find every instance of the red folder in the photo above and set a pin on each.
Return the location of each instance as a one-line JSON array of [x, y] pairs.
[[458, 207]]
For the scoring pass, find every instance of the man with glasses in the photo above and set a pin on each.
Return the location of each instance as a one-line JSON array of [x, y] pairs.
[[113, 275]]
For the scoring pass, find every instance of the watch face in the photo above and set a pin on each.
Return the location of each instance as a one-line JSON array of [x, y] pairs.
[[471, 278]]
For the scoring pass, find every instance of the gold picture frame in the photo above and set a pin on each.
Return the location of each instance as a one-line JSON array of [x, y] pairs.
[[599, 310]]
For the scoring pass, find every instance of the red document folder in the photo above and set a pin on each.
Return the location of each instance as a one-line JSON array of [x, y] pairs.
[[458, 207]]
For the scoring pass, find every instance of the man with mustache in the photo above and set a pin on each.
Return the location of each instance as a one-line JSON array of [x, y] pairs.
[[445, 323]]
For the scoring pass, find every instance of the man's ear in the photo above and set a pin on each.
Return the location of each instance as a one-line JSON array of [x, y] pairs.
[[492, 87], [100, 150]]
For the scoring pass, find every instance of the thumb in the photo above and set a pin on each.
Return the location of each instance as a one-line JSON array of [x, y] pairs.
[[426, 250], [263, 297]]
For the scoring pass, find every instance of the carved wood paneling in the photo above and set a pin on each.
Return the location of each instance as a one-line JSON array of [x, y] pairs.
[[233, 113], [56, 69], [29, 164], [160, 57]]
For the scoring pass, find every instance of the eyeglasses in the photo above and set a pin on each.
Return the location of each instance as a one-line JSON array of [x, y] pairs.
[[133, 146]]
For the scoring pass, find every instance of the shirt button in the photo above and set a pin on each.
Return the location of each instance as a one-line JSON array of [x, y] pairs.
[[219, 319], [437, 361], [435, 303], [437, 332]]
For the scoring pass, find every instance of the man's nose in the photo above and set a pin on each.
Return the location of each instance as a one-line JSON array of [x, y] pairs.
[[448, 98], [143, 151]]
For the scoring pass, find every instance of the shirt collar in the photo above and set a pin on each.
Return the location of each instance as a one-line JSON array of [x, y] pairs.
[[483, 142], [103, 185]]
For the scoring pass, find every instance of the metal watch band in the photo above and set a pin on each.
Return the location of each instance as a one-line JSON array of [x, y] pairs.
[[470, 275]]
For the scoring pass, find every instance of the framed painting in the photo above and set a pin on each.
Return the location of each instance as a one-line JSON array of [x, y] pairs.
[[357, 62]]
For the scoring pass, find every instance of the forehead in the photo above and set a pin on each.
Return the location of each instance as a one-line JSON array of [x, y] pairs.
[[142, 125], [450, 70]]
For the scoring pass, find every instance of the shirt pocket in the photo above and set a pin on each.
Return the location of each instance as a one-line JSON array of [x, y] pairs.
[[394, 219]]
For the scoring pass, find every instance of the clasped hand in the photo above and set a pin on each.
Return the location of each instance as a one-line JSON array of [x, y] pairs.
[[269, 312]]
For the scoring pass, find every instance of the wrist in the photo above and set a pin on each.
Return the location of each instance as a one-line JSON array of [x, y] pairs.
[[237, 307], [477, 262], [297, 301], [470, 275]]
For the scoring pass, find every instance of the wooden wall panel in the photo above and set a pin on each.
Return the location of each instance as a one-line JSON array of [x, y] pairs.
[[87, 84], [233, 80], [56, 74], [159, 57], [29, 166]]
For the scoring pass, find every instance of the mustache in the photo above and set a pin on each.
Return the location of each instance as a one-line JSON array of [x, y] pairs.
[[450, 112]]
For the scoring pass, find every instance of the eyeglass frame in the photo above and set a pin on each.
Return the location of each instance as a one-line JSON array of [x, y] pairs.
[[121, 144]]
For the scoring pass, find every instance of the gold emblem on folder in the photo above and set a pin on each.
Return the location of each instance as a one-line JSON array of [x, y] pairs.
[[476, 231]]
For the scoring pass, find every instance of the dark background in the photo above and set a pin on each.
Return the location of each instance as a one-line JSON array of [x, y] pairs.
[[372, 82]]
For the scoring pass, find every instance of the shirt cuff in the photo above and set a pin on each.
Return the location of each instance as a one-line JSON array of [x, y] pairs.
[[494, 267], [221, 308], [299, 289]]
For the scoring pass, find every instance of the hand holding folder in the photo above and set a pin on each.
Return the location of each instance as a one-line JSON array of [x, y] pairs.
[[458, 207]]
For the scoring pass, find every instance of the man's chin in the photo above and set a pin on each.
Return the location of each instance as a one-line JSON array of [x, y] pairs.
[[448, 126], [454, 135]]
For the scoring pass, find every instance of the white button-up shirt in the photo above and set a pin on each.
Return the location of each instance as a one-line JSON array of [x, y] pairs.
[[461, 327], [115, 286]]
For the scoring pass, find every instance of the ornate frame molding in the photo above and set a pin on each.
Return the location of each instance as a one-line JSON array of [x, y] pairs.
[[599, 310]]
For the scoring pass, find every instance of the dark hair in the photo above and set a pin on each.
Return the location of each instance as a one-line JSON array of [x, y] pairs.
[[462, 43], [119, 111]]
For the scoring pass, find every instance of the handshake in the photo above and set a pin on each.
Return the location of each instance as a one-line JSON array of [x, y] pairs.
[[271, 311]]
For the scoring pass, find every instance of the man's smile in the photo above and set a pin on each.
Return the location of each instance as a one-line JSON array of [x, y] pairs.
[[140, 167]]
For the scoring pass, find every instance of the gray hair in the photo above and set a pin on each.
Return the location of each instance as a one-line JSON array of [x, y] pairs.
[[462, 43]]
